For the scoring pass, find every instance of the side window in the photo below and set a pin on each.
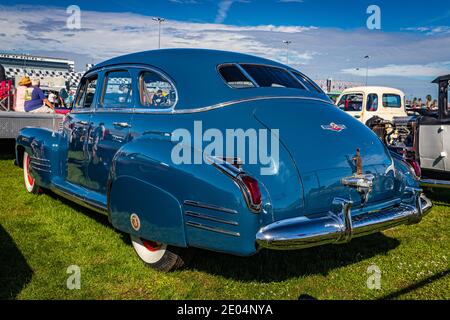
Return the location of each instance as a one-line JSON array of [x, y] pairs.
[[156, 92], [118, 90], [351, 102], [372, 102], [392, 101], [87, 92]]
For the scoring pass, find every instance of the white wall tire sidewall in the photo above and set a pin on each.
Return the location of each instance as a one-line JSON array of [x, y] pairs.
[[28, 185], [150, 257]]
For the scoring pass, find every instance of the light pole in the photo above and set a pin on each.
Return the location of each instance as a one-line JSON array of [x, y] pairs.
[[367, 69], [287, 43], [159, 20]]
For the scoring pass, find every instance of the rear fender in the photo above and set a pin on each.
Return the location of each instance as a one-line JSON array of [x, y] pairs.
[[165, 196]]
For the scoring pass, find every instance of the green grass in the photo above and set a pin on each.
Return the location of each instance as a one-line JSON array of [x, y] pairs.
[[40, 236]]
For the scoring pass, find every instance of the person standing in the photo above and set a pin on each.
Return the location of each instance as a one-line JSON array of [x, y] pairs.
[[23, 93]]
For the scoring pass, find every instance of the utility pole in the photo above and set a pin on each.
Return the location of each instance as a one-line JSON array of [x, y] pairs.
[[287, 43], [159, 20]]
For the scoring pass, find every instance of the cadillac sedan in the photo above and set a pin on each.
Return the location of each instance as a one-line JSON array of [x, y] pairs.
[[188, 148]]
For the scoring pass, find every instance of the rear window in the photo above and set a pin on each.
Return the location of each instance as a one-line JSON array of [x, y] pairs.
[[266, 76], [308, 83], [392, 101], [234, 77]]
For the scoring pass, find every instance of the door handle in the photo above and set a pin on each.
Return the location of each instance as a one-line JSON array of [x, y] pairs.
[[122, 124], [83, 123]]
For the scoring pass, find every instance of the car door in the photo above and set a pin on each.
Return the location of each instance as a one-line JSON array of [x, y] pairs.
[[371, 107], [110, 124], [77, 128]]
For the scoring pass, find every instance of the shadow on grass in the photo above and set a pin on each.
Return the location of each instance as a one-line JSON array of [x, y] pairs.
[[15, 273], [270, 265], [7, 149], [96, 216], [417, 285], [274, 266]]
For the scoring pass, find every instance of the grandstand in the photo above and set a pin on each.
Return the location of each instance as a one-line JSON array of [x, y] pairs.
[[18, 65]]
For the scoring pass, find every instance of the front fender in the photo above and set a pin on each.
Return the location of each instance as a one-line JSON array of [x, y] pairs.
[[46, 148]]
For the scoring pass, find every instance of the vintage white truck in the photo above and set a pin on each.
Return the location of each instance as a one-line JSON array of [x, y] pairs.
[[365, 103]]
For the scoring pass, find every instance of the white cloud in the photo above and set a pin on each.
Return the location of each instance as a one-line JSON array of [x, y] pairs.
[[411, 70], [430, 31], [224, 6]]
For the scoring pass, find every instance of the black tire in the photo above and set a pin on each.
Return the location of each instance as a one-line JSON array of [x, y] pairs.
[[161, 257]]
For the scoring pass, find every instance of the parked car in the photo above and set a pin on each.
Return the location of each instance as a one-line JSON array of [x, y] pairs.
[[422, 139], [330, 181], [365, 103]]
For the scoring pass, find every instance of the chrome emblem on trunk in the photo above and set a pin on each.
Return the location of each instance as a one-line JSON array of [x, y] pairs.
[[363, 183], [334, 127]]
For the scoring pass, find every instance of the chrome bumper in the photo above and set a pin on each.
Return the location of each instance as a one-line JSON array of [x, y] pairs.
[[339, 226], [430, 183]]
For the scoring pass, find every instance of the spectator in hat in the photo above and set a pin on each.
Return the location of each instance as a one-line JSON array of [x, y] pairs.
[[38, 103], [23, 93]]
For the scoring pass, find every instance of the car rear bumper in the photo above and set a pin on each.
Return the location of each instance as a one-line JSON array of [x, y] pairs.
[[339, 226]]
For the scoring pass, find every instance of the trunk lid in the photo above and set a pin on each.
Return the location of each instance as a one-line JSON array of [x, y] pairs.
[[322, 141]]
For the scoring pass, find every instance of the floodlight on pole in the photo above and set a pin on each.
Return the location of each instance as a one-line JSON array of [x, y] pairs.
[[159, 20], [367, 69], [287, 43]]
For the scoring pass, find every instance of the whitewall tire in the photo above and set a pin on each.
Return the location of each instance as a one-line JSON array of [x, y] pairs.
[[30, 181], [160, 256]]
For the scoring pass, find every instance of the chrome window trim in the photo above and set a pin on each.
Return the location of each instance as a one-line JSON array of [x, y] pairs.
[[142, 109], [93, 106]]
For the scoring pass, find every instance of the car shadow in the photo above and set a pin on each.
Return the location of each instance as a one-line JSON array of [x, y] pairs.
[[275, 266], [269, 265], [15, 273]]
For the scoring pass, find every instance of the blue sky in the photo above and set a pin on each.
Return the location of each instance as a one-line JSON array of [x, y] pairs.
[[329, 38]]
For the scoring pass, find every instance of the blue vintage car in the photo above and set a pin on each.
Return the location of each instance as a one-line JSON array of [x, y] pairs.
[[144, 144]]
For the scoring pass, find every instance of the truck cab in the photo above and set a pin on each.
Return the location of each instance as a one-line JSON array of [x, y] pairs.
[[364, 103]]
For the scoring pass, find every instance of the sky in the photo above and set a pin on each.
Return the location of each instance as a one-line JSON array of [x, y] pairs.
[[328, 38]]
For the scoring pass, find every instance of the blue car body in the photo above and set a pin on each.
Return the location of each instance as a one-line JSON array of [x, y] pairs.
[[116, 159]]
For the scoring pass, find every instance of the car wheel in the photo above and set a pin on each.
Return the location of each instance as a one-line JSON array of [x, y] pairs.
[[30, 181], [160, 256]]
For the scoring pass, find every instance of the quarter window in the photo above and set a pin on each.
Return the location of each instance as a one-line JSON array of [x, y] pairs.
[[156, 92], [351, 102], [118, 91], [392, 101], [372, 102], [87, 93]]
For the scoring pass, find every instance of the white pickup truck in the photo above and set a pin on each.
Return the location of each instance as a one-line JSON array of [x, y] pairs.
[[366, 102]]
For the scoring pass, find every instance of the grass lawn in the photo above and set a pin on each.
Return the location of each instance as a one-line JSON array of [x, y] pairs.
[[41, 236]]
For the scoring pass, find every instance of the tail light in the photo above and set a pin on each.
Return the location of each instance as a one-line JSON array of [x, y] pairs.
[[252, 191], [416, 168]]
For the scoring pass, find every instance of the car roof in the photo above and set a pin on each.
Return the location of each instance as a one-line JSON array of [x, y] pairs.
[[374, 89], [195, 76]]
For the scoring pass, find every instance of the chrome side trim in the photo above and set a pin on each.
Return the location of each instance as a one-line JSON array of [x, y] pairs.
[[79, 200], [431, 183], [208, 206], [210, 218], [213, 229], [204, 109]]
